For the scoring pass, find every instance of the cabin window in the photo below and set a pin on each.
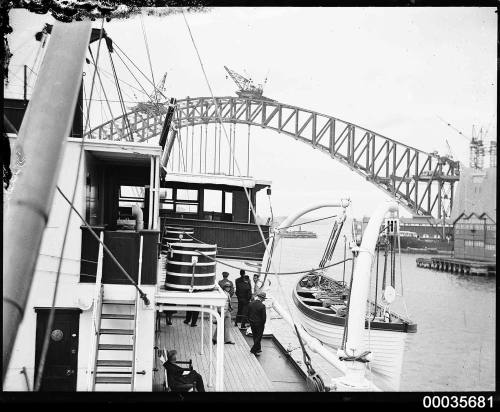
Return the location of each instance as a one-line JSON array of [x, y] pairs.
[[228, 205], [167, 198], [181, 207], [187, 194], [166, 193], [212, 200], [130, 196]]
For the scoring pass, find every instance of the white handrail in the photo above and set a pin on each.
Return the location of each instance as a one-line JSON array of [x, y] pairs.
[[136, 314], [95, 315]]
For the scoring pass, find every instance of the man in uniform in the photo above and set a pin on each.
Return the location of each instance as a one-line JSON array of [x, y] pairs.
[[257, 319], [244, 294], [225, 281]]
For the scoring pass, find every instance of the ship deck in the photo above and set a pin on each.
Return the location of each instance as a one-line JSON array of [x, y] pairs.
[[242, 371]]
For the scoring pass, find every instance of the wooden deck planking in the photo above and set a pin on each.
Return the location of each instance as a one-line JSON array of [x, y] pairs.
[[242, 371]]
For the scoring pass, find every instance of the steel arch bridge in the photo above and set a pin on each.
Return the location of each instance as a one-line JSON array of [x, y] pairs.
[[422, 182]]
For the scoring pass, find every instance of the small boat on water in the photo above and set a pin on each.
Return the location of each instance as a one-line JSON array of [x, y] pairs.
[[302, 234]]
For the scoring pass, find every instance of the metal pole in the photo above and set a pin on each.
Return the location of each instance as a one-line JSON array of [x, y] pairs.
[[219, 374], [210, 355], [248, 152], [202, 328], [47, 124], [25, 83]]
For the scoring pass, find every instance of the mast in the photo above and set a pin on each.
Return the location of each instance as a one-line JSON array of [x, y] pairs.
[[47, 124]]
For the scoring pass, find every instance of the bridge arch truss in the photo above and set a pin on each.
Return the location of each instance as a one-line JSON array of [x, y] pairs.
[[422, 182]]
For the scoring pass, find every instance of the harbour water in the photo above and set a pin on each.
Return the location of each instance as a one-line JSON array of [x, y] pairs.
[[454, 347]]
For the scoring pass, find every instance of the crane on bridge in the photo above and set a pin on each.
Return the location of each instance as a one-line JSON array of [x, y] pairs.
[[157, 100], [246, 87], [476, 159]]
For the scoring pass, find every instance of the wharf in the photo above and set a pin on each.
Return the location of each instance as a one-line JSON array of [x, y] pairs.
[[460, 266]]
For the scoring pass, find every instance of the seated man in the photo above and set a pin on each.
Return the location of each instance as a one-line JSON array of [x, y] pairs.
[[179, 377]]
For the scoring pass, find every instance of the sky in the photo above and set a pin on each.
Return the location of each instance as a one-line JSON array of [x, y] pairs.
[[396, 71]]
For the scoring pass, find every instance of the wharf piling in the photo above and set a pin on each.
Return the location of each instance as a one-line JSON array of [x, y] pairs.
[[459, 266]]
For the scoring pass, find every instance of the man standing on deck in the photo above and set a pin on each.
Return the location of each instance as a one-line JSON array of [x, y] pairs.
[[227, 318], [257, 319], [244, 294], [225, 281], [256, 288]]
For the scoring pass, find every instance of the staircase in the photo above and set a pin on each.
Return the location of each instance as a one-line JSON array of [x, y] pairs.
[[114, 366]]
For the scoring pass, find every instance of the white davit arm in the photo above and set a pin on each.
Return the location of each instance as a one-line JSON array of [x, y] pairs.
[[290, 220], [361, 279]]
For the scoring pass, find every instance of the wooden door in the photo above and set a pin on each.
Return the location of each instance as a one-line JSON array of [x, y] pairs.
[[61, 363]]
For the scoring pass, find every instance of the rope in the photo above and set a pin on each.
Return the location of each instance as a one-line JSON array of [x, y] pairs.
[[149, 57], [217, 111], [106, 249], [50, 322], [120, 97], [271, 273], [359, 358], [139, 70], [110, 75], [309, 221], [66, 273], [224, 248], [103, 89], [74, 260]]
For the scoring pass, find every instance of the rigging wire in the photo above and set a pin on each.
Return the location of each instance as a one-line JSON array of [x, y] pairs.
[[149, 56], [140, 71], [50, 322], [224, 248], [109, 75], [298, 272], [120, 97], [218, 114], [309, 221], [66, 258], [142, 295], [155, 103], [103, 89]]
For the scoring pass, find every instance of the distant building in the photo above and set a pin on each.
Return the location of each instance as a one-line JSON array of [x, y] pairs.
[[475, 237], [476, 192], [474, 212], [425, 228]]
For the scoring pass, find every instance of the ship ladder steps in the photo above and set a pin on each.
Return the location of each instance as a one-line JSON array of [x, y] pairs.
[[114, 366]]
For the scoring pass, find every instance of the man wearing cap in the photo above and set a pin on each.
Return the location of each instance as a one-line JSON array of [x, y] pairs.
[[227, 318], [257, 319], [226, 281], [244, 294], [179, 378]]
